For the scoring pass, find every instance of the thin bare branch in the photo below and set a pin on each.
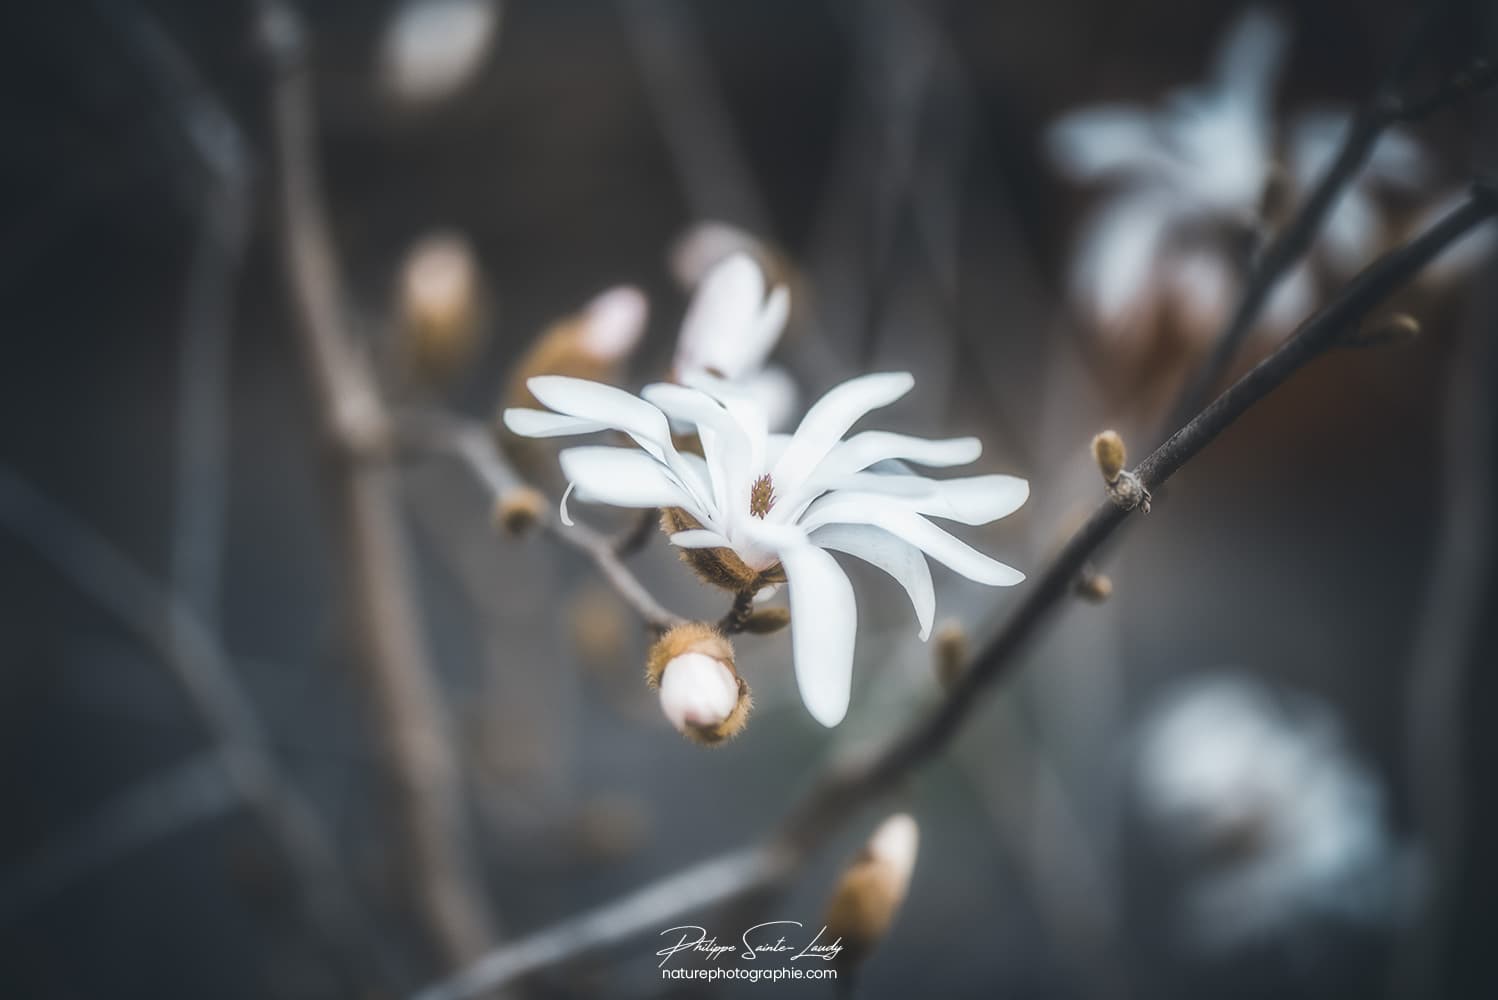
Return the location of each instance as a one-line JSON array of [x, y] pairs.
[[200, 665], [441, 875], [474, 445], [1373, 118]]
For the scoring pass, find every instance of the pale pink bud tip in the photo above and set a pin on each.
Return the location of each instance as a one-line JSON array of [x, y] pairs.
[[894, 844], [614, 322], [698, 691]]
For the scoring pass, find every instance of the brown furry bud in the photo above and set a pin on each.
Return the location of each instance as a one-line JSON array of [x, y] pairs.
[[1108, 450], [869, 895], [1093, 586], [702, 694], [519, 510], [950, 652], [441, 307], [718, 567]]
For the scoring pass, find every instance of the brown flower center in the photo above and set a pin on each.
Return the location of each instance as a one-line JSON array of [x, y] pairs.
[[761, 497]]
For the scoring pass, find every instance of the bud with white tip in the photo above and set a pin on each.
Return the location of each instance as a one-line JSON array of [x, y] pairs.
[[701, 693], [872, 889]]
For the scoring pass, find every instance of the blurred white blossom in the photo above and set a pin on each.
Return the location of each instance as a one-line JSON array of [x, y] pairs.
[[431, 49], [1195, 183], [783, 500], [1275, 820], [733, 323]]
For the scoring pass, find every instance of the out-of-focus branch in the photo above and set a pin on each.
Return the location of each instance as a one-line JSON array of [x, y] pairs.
[[1384, 109], [197, 660], [844, 788], [473, 444], [442, 878], [173, 800], [1447, 643], [698, 887]]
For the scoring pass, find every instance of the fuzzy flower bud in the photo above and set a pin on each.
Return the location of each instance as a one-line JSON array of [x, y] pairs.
[[518, 510], [1108, 449], [950, 652], [701, 693], [590, 344], [440, 306], [869, 895]]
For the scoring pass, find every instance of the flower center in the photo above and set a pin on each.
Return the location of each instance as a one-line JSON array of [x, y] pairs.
[[761, 496]]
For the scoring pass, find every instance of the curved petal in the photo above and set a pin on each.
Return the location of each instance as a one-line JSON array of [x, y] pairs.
[[615, 408], [830, 417], [824, 621], [899, 559], [968, 500], [698, 538], [624, 477], [725, 446], [1093, 142], [722, 318], [886, 513], [872, 447], [543, 423]]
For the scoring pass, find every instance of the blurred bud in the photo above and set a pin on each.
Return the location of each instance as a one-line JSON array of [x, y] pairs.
[[718, 567], [440, 306], [1094, 586], [705, 245], [611, 827], [591, 344], [950, 652], [601, 627], [869, 895], [767, 620], [1386, 331], [518, 510], [1108, 449], [693, 669], [431, 49]]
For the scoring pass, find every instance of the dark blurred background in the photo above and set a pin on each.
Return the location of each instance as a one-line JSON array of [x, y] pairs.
[[893, 153]]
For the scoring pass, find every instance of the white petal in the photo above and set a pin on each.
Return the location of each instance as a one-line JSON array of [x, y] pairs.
[[719, 331], [899, 559], [699, 538], [614, 322], [1114, 273], [542, 423], [1353, 232], [613, 407], [565, 517], [830, 417], [1248, 59], [886, 513], [871, 447], [725, 445], [968, 500], [624, 477], [824, 621], [1103, 139], [775, 392]]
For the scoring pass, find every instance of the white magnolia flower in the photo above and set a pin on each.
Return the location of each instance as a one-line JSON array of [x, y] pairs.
[[776, 499], [730, 329], [1276, 819], [1189, 182], [431, 49]]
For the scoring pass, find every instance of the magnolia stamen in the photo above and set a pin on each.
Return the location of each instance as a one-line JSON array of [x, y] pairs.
[[762, 496]]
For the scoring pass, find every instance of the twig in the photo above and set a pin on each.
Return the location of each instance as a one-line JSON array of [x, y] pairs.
[[473, 443], [634, 538], [200, 665], [733, 620], [1381, 111], [846, 787], [442, 877], [697, 887], [154, 808]]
